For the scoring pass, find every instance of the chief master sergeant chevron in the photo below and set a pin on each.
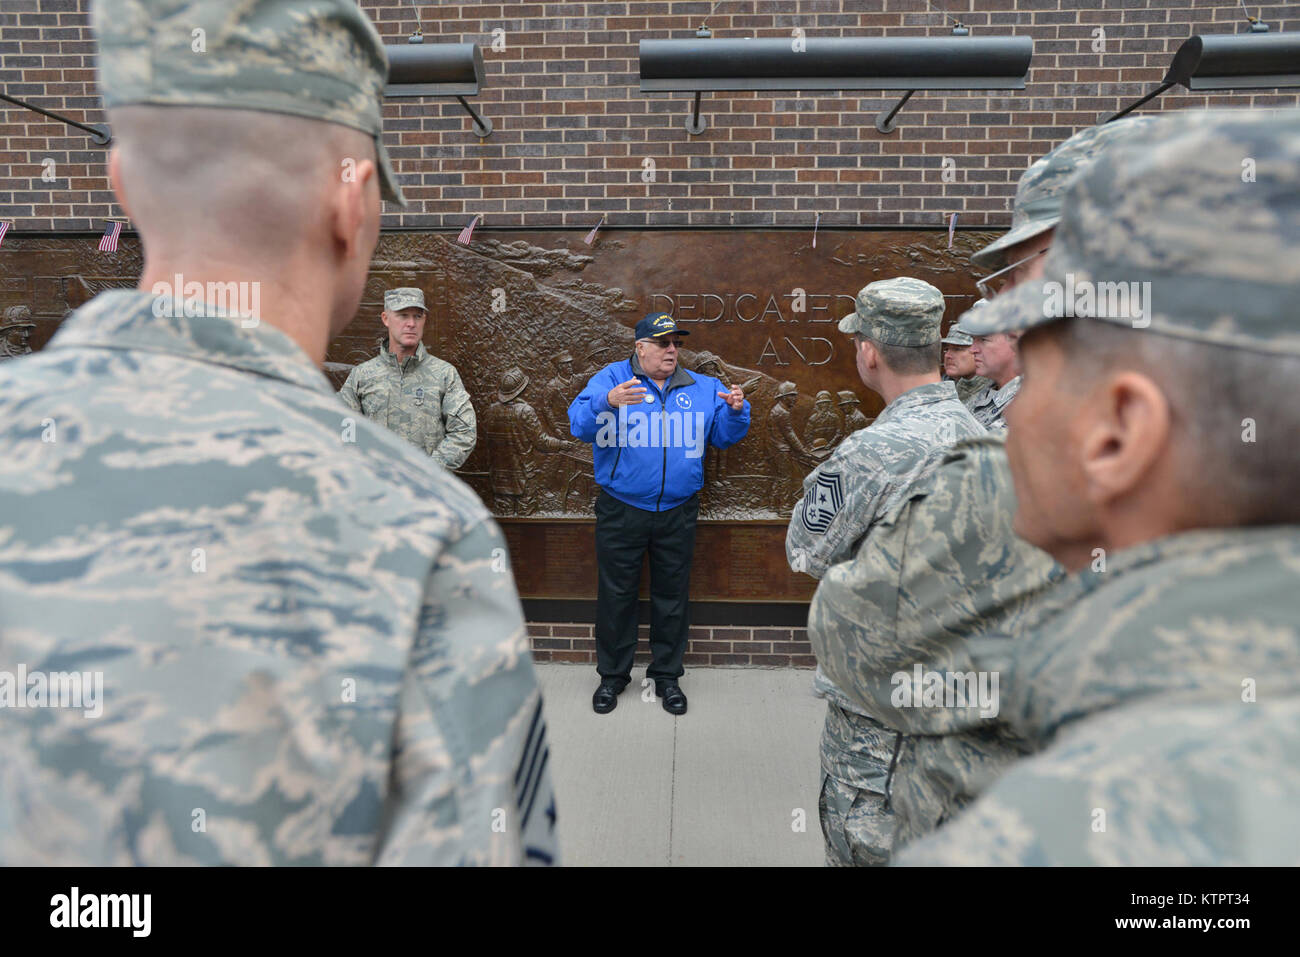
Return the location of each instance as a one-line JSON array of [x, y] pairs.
[[650, 422], [310, 645]]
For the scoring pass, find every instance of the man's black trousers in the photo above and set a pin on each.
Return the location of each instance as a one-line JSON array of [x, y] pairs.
[[623, 534]]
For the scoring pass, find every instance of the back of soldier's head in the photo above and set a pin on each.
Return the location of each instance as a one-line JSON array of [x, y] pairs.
[[1178, 260], [231, 120]]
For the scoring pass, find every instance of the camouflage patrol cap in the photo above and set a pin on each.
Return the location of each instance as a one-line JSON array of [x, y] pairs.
[[847, 398], [319, 59], [1037, 206], [897, 312], [957, 334], [1192, 233], [404, 298]]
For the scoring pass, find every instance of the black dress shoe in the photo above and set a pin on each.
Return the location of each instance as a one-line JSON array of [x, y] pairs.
[[606, 697], [673, 699]]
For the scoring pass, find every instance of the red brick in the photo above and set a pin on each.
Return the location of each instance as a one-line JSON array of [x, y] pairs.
[[576, 63], [571, 631]]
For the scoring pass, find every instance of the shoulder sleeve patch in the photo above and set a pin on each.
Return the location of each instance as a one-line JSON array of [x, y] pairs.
[[822, 503]]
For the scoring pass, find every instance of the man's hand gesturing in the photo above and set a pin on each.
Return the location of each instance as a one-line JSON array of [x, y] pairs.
[[735, 398], [626, 393]]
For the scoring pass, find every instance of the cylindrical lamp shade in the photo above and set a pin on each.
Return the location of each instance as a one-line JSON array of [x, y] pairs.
[[434, 69], [1237, 61], [829, 63]]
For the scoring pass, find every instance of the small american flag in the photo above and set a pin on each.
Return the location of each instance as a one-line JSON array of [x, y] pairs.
[[816, 223], [591, 236], [467, 233], [4, 228], [108, 242], [952, 226]]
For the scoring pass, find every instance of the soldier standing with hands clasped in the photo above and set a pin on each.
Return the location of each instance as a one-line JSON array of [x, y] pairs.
[[409, 391]]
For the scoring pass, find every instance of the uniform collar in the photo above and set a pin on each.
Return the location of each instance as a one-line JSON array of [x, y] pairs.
[[415, 359], [680, 376], [1005, 394], [1104, 615], [125, 319], [920, 396]]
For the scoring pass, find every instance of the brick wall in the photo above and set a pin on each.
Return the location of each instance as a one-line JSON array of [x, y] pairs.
[[572, 130], [717, 646]]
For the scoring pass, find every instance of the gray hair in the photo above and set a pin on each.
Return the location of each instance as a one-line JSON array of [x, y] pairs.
[[1234, 418]]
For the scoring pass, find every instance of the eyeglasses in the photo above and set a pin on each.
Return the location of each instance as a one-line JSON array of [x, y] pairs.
[[997, 282], [665, 343]]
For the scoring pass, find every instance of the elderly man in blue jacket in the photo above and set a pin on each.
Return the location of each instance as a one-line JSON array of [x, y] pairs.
[[650, 422]]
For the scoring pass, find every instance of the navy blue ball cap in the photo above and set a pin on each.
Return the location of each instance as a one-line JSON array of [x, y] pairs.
[[656, 324]]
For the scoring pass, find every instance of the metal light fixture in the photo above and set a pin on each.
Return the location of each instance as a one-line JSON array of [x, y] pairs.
[[99, 132], [1239, 61], [834, 63], [417, 68]]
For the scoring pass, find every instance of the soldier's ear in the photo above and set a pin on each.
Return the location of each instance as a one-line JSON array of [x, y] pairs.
[[350, 204], [869, 355], [1125, 436]]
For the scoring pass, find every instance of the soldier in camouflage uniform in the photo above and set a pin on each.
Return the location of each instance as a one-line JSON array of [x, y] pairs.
[[996, 360], [1017, 255], [895, 326], [941, 582], [309, 641], [1164, 700], [409, 391], [959, 364]]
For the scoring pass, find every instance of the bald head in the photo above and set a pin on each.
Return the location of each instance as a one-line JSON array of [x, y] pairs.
[[257, 181], [289, 202]]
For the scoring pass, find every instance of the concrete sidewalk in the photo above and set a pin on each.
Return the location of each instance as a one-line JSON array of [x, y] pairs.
[[733, 782]]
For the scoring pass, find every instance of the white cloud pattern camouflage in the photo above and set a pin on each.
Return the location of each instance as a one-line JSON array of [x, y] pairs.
[[863, 480], [870, 472], [340, 676], [942, 582], [1138, 691]]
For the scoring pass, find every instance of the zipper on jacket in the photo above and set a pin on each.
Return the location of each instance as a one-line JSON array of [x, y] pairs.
[[663, 427], [615, 468]]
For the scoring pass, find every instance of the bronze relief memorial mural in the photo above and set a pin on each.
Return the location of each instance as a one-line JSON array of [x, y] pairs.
[[527, 317]]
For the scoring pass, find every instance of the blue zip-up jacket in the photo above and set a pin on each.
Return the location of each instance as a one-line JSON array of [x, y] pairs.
[[651, 455]]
